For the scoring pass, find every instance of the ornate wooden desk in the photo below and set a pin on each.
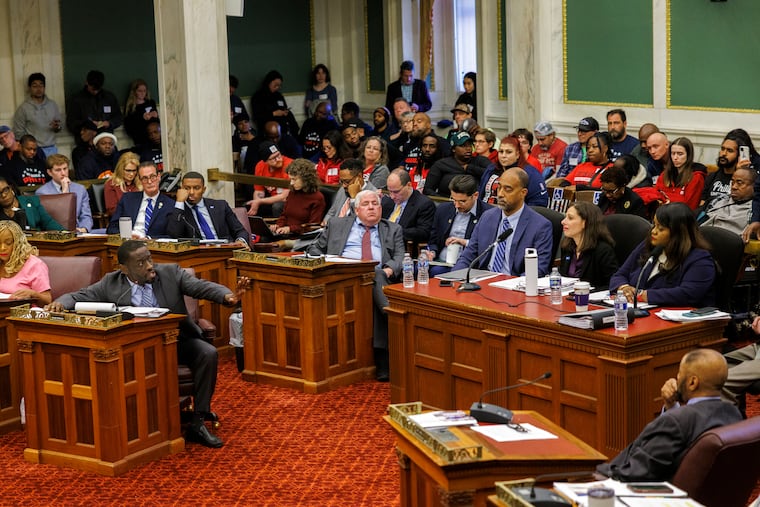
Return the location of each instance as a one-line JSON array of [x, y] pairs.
[[307, 327], [10, 376], [101, 400], [448, 347], [91, 245]]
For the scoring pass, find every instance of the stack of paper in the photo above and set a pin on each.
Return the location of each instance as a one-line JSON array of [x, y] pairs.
[[518, 284], [441, 418], [688, 316]]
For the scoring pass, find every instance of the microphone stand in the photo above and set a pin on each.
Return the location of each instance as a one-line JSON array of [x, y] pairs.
[[486, 412], [469, 287], [639, 312]]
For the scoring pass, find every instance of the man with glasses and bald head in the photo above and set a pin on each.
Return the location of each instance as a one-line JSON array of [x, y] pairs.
[[149, 210]]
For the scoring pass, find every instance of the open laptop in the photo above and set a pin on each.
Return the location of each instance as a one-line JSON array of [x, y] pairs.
[[260, 228]]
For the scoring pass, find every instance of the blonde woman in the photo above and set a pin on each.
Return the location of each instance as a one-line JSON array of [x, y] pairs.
[[138, 111], [124, 179], [22, 274]]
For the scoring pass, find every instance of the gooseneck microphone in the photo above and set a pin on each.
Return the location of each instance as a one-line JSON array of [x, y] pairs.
[[637, 312], [485, 412], [467, 286]]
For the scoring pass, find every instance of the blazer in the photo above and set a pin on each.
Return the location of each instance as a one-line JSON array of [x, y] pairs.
[[333, 241], [629, 203], [444, 219], [37, 218], [417, 218], [341, 195], [183, 224], [533, 231], [172, 283], [129, 206], [84, 214], [420, 95], [598, 267], [690, 284]]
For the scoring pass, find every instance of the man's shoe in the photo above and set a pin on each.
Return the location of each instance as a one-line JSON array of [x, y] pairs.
[[203, 436], [382, 376]]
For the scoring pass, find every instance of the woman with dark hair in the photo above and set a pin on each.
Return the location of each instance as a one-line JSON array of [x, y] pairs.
[[683, 271], [321, 89], [586, 175], [679, 181], [305, 204], [587, 246], [616, 196], [511, 156], [268, 104], [25, 210], [525, 137], [374, 156], [333, 154], [469, 82]]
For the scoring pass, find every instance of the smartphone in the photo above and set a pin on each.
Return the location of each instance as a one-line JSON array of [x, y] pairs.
[[651, 488], [445, 283], [743, 152], [698, 312]]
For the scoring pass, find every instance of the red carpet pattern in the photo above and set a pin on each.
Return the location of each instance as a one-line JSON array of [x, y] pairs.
[[282, 448]]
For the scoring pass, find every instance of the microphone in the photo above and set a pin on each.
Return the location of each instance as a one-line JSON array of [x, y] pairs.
[[485, 412], [542, 497], [637, 312], [467, 286]]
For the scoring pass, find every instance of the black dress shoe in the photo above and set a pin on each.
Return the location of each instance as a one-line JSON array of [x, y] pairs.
[[203, 436], [382, 376]]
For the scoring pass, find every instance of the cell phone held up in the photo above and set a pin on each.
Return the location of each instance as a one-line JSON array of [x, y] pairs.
[[743, 152]]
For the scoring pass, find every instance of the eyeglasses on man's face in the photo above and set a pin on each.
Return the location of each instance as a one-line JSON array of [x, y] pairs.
[[151, 177]]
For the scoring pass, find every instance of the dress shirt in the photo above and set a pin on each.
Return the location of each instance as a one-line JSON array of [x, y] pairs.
[[140, 220], [137, 292], [203, 210], [353, 248], [459, 227]]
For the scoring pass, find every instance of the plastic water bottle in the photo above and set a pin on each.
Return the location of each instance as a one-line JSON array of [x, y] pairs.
[[621, 312], [555, 286], [423, 266], [408, 271]]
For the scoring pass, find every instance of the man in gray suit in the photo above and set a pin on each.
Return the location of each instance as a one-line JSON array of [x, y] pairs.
[[346, 236], [139, 282]]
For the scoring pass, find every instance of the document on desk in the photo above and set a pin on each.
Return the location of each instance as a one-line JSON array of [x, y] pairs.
[[440, 418], [508, 433], [518, 284], [338, 258], [460, 275], [688, 316], [144, 311], [625, 496]]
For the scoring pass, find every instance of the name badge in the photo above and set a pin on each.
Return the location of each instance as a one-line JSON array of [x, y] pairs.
[[573, 161], [148, 109], [238, 110], [333, 171], [106, 109], [322, 96], [281, 103]]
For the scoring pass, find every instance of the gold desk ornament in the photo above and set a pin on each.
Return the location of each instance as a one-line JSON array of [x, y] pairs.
[[505, 491], [400, 413], [26, 312], [152, 244], [54, 235], [286, 260]]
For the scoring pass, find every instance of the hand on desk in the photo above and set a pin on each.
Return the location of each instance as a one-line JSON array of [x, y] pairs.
[[54, 307]]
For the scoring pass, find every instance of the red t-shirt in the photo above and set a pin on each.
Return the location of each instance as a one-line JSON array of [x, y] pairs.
[[551, 157], [328, 171], [263, 169]]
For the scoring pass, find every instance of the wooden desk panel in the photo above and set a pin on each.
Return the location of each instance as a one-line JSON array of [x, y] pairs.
[[92, 246], [10, 376], [447, 348]]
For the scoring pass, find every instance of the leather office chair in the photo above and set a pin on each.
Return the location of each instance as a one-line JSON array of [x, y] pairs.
[[69, 274], [728, 252], [721, 467], [628, 231], [242, 214], [63, 209], [98, 204], [555, 218]]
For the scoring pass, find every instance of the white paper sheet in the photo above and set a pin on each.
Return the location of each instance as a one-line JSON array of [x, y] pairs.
[[503, 433]]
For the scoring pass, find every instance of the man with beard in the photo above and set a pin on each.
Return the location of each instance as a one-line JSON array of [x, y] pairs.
[[658, 147], [575, 153], [352, 181], [314, 129], [429, 155], [352, 136], [100, 162], [622, 143], [381, 118], [152, 150], [461, 161], [692, 405], [412, 149], [531, 230], [718, 183], [26, 168], [269, 200]]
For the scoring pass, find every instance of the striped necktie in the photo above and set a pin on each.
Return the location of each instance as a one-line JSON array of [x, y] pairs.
[[148, 215], [147, 296], [500, 255]]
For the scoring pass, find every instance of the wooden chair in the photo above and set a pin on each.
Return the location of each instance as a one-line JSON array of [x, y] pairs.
[[591, 196], [69, 274], [63, 209]]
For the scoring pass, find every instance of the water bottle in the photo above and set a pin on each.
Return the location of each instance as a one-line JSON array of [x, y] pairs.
[[408, 271], [555, 286], [621, 312], [423, 266]]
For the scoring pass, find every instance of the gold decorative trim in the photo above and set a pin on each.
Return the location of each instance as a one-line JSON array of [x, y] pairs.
[[368, 278], [402, 459], [25, 312], [161, 246], [500, 5], [106, 355], [313, 291], [270, 258], [25, 346], [505, 493], [54, 235], [170, 336]]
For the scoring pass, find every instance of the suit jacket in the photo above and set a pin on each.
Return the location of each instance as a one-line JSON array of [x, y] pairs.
[[340, 198], [420, 95], [172, 283], [129, 206], [333, 241], [417, 218], [183, 224], [658, 450], [533, 231], [35, 216], [84, 215], [444, 219], [599, 264]]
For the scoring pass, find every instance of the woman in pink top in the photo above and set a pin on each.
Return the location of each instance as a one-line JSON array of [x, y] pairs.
[[22, 274]]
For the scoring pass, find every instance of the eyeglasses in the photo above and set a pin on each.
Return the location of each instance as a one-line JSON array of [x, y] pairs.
[[480, 141], [611, 192], [346, 183], [4, 192], [152, 177], [274, 157], [517, 427]]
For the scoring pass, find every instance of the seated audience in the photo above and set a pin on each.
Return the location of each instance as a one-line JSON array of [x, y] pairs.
[[87, 134], [429, 155], [273, 165], [683, 272], [27, 167], [531, 230], [586, 174], [382, 124], [152, 150], [374, 156], [734, 212], [273, 133], [681, 180], [124, 179], [404, 133], [100, 162], [454, 221], [58, 170], [25, 210], [268, 104], [24, 275], [414, 91], [510, 155], [461, 161], [525, 137], [149, 209], [718, 183], [353, 137], [462, 118], [483, 144], [400, 108], [349, 113], [575, 153], [195, 216], [411, 150], [658, 147], [622, 143], [692, 405], [548, 150], [315, 128], [616, 196], [640, 152], [352, 182], [305, 204], [321, 89], [139, 109], [410, 209], [331, 157], [243, 142], [743, 370], [586, 249]]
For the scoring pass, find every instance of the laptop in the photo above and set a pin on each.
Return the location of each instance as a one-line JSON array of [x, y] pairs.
[[260, 228]]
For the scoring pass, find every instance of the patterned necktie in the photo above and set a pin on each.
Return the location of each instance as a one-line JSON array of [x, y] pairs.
[[148, 215], [396, 213], [367, 244], [499, 256], [346, 208], [207, 232], [147, 296]]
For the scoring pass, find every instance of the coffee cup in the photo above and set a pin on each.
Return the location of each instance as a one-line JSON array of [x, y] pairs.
[[581, 291], [452, 253], [125, 227], [600, 496]]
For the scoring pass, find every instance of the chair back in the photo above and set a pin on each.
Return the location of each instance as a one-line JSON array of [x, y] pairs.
[[98, 203], [628, 231], [62, 208], [728, 252], [242, 214], [722, 467], [560, 198], [591, 196], [69, 274], [555, 218]]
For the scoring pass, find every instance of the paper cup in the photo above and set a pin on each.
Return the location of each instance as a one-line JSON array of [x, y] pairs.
[[452, 253], [600, 496], [581, 291], [125, 227]]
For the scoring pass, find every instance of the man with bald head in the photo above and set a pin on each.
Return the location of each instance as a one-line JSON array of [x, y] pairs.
[[640, 152], [658, 147], [412, 149], [692, 405]]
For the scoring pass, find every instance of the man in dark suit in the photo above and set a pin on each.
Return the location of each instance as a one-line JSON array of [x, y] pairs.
[[195, 216], [149, 209], [413, 211], [454, 221], [139, 282], [346, 236], [413, 90], [531, 230], [692, 406]]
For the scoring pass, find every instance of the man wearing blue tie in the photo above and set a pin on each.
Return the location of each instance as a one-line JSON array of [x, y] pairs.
[[148, 209], [195, 216]]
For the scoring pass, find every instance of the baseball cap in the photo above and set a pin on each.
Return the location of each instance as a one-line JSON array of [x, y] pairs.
[[4, 129], [460, 138], [267, 149], [587, 124], [543, 128], [465, 108]]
